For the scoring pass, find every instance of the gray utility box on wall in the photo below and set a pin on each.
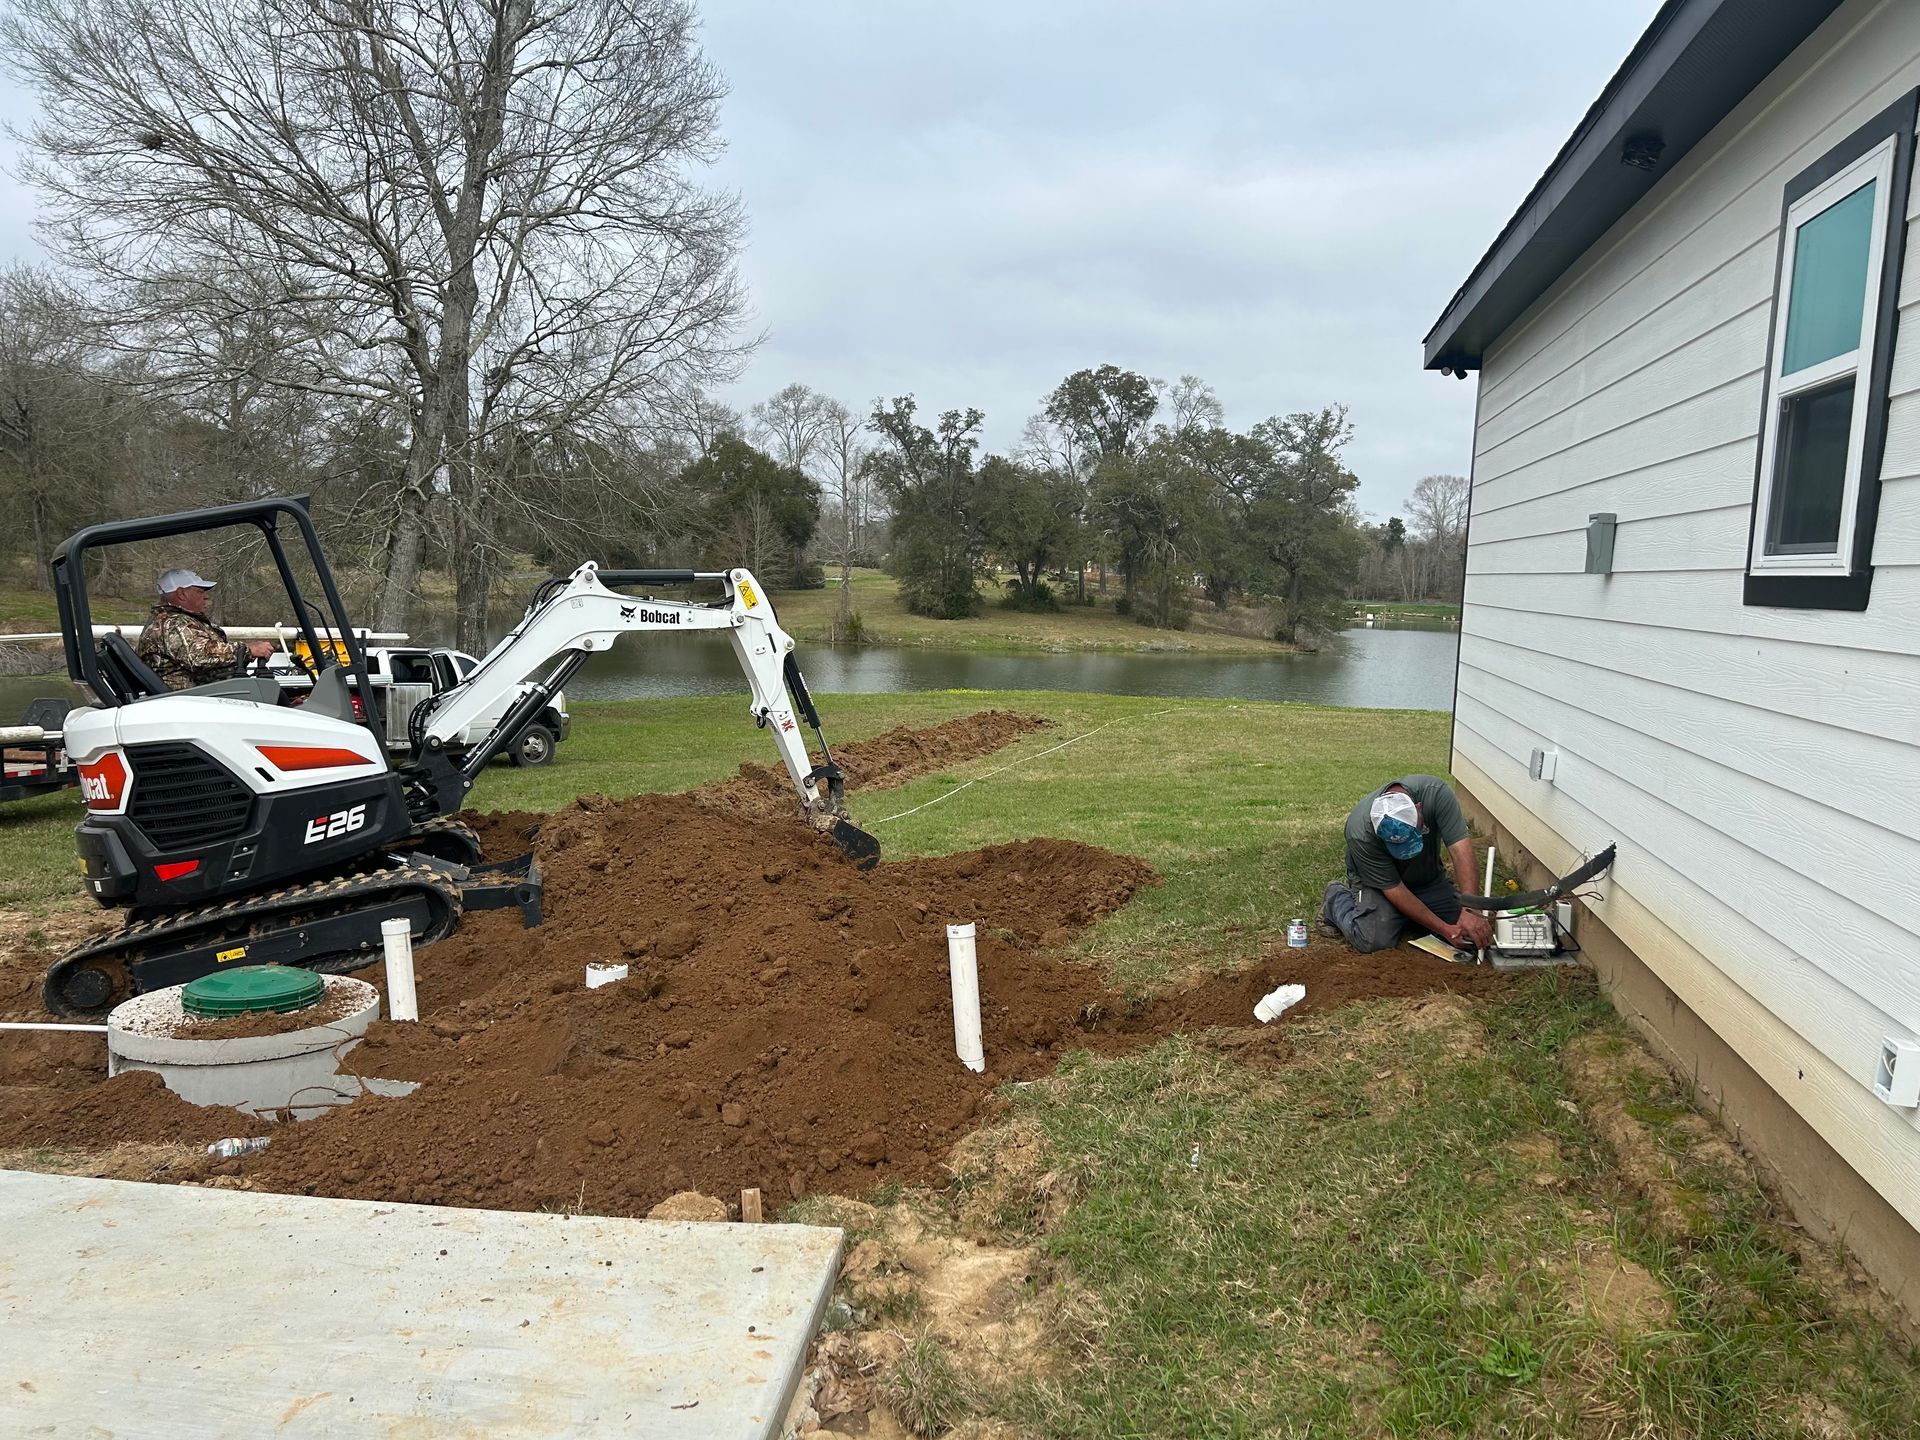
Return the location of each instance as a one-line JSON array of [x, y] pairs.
[[1600, 543]]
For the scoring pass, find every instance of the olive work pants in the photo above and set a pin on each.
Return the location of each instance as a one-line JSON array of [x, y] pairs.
[[1368, 920]]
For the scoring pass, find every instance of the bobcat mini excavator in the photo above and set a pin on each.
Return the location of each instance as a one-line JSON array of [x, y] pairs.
[[238, 828]]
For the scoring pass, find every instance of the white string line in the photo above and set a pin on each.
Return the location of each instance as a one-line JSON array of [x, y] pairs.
[[1021, 761]]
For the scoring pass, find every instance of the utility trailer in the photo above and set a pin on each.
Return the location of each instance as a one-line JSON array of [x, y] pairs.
[[33, 759]]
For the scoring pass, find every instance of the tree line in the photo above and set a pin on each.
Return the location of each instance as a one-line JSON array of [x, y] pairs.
[[1118, 470], [446, 267]]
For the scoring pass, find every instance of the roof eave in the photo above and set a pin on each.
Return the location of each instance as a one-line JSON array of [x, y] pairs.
[[1694, 63]]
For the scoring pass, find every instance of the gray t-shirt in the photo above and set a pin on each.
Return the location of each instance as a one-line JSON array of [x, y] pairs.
[[1369, 863]]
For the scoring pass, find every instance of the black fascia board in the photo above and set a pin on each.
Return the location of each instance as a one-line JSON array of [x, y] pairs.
[[1695, 63]]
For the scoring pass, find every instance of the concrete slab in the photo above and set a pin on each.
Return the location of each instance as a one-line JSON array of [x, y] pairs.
[[168, 1312]]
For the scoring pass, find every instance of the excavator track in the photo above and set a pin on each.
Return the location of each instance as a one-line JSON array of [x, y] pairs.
[[444, 838], [331, 926]]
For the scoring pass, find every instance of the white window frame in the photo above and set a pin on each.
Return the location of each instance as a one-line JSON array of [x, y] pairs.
[[1875, 166]]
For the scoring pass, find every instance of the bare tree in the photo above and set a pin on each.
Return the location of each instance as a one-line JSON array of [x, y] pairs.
[[689, 421], [790, 425], [1191, 405], [1438, 508], [847, 476], [473, 213], [51, 411], [1438, 511]]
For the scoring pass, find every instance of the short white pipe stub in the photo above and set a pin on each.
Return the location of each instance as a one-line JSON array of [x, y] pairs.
[[963, 971], [396, 938]]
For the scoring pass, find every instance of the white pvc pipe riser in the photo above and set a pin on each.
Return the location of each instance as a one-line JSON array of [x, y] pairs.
[[396, 937], [963, 970], [49, 1025], [1486, 888]]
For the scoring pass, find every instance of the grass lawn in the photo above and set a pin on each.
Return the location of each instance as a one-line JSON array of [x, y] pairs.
[[1401, 1218], [27, 605], [808, 615], [1403, 610]]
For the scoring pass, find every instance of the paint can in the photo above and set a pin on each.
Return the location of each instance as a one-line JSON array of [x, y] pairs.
[[1297, 934]]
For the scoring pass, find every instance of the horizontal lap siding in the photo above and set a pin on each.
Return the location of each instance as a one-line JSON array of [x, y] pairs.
[[1714, 908], [1879, 1143], [1757, 765]]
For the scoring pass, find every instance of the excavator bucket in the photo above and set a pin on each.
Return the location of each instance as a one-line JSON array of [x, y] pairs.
[[858, 846]]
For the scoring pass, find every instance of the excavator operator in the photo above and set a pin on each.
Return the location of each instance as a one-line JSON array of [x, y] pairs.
[[182, 645]]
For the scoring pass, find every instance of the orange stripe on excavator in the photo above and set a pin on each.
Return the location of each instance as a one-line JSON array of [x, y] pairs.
[[310, 757]]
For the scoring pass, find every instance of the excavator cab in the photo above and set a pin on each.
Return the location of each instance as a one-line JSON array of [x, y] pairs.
[[196, 793], [109, 667]]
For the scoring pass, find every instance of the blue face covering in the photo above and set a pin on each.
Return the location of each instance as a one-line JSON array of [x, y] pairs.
[[1403, 841]]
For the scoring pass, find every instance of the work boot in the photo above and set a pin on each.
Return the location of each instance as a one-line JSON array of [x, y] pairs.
[[1321, 923]]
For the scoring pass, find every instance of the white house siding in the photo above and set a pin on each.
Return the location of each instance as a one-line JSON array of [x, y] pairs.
[[1760, 768]]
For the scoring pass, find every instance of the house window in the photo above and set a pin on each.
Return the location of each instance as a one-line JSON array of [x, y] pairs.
[[1824, 421]]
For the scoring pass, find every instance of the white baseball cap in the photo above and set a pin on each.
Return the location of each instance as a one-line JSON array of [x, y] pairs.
[[1396, 820], [172, 580]]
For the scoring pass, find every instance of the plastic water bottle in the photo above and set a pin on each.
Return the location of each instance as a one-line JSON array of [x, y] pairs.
[[228, 1149], [1297, 934]]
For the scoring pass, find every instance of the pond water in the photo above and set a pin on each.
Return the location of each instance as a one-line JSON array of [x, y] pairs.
[[1393, 667]]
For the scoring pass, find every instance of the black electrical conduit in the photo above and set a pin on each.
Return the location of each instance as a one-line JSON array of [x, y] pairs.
[[1531, 899]]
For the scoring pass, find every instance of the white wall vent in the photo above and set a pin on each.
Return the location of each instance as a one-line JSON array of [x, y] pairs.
[[1898, 1080]]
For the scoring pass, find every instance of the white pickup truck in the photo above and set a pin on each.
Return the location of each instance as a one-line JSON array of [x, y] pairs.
[[405, 676]]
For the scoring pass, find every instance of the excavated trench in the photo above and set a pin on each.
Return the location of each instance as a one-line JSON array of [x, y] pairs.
[[786, 1022]]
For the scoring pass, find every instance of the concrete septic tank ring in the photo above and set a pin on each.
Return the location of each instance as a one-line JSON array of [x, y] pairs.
[[295, 1072]]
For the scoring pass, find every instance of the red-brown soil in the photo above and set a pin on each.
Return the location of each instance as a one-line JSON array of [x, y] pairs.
[[892, 758], [245, 1027], [900, 755], [91, 1112], [786, 1024]]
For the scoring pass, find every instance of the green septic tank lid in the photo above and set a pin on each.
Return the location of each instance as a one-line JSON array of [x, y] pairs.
[[252, 989]]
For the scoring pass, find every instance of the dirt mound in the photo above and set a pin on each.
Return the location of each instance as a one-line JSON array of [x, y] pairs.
[[893, 758], [900, 755], [786, 1023], [136, 1106]]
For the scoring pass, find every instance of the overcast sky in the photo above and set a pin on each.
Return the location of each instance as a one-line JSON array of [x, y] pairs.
[[966, 202]]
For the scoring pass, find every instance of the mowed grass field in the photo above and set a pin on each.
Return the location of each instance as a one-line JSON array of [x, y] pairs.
[[1401, 1218], [809, 614]]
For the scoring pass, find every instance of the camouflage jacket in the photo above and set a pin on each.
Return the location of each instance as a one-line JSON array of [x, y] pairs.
[[184, 649]]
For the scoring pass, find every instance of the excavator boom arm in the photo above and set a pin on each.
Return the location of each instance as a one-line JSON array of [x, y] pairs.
[[582, 616]]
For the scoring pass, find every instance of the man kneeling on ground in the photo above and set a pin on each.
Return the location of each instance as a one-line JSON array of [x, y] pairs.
[[1395, 882]]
